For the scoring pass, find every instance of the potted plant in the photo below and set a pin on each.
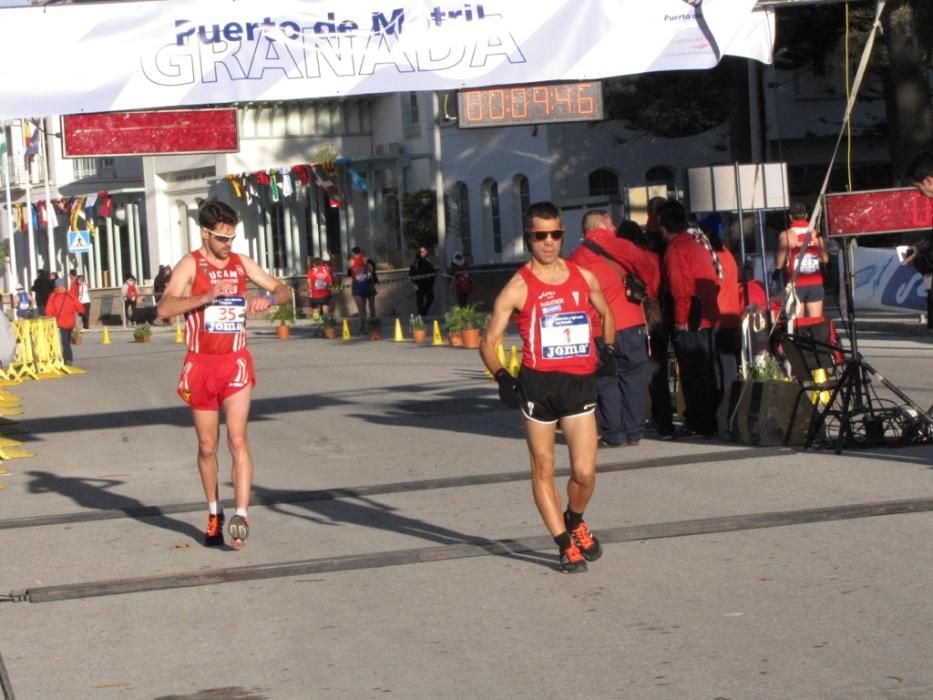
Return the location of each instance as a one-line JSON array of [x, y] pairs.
[[453, 321], [142, 334], [284, 314], [418, 332], [373, 324], [76, 336], [473, 321], [329, 324], [765, 408]]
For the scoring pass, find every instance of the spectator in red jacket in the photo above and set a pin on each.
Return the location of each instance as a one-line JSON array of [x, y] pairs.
[[661, 328], [693, 274], [62, 306], [621, 399], [729, 332]]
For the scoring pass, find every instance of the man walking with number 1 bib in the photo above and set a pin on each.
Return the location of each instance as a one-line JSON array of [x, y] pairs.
[[551, 298], [208, 286]]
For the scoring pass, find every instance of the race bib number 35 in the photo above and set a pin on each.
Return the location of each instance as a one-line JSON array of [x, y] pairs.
[[565, 335], [225, 315]]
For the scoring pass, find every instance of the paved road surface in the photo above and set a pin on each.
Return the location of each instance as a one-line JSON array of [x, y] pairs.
[[396, 551]]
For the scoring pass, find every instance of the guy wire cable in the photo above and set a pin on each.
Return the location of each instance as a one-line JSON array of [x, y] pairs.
[[850, 105]]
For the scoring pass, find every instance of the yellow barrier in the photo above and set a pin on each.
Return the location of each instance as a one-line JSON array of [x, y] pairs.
[[9, 450], [23, 365], [47, 346]]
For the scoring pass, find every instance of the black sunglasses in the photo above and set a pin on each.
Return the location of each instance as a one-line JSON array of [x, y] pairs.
[[541, 235]]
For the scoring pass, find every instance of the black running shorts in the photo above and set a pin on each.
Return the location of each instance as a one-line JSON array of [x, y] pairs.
[[550, 396], [810, 293]]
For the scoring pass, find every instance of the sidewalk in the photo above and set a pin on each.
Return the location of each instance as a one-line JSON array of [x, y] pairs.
[[396, 548]]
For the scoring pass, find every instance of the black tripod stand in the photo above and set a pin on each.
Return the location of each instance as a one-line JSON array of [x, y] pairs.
[[855, 414]]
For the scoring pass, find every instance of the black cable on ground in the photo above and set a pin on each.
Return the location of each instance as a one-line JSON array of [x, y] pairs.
[[5, 684]]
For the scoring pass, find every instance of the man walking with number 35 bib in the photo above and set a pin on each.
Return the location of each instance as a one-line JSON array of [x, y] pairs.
[[208, 286], [551, 298]]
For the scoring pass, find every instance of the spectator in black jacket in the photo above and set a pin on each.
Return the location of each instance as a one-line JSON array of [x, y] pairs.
[[42, 289], [423, 273]]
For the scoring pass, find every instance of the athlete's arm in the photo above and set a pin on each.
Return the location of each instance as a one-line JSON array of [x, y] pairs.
[[780, 258], [601, 305], [510, 299], [177, 299], [821, 246], [263, 280]]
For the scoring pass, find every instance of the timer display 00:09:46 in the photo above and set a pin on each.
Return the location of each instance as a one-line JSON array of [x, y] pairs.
[[530, 104]]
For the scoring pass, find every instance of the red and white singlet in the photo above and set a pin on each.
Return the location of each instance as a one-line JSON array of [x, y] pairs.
[[218, 327], [554, 324], [810, 273], [357, 267], [320, 281]]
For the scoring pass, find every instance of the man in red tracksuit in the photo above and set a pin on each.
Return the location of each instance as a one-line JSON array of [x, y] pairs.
[[620, 413], [691, 272], [62, 306]]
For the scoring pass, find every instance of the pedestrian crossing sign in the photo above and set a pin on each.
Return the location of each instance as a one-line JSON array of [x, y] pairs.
[[79, 242]]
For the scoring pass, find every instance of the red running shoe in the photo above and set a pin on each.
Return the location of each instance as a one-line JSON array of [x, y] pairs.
[[571, 560], [586, 541], [214, 535]]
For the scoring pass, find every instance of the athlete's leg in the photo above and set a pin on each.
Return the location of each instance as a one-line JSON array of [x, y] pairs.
[[581, 435], [207, 427], [361, 310], [236, 416], [813, 308], [540, 438]]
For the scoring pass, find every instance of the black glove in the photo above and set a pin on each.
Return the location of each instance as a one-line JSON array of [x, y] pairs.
[[606, 365], [509, 390], [777, 276]]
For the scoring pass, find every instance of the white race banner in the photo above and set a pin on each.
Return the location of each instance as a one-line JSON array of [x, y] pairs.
[[66, 59]]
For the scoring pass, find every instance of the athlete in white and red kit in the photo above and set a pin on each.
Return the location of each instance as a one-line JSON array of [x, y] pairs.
[[809, 276], [208, 286], [551, 298]]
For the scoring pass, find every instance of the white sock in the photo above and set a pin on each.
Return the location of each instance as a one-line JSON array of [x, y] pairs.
[[241, 512], [212, 507]]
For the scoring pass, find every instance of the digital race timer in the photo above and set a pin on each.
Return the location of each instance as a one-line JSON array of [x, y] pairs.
[[530, 104]]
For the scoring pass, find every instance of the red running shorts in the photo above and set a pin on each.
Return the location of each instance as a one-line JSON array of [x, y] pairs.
[[206, 380]]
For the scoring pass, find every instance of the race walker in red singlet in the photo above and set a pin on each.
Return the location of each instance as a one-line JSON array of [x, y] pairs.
[[218, 363], [810, 273], [558, 354]]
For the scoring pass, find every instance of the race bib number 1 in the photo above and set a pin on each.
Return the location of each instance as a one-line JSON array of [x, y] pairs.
[[565, 335], [225, 315]]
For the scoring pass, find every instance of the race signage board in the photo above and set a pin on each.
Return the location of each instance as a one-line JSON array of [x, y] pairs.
[[868, 212], [145, 133]]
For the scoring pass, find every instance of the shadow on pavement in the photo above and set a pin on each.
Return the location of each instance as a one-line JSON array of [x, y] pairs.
[[366, 512], [96, 494]]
